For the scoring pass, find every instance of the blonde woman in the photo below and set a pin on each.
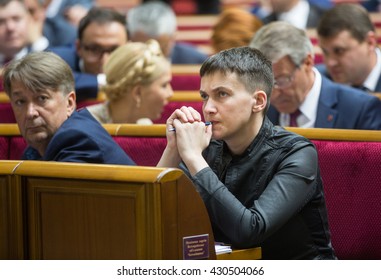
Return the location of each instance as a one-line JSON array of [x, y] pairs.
[[138, 85]]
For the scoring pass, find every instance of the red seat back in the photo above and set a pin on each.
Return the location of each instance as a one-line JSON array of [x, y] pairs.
[[352, 186]]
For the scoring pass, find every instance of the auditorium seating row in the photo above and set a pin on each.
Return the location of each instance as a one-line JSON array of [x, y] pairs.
[[349, 162], [180, 98]]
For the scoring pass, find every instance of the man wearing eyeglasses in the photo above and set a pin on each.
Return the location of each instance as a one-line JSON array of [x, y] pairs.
[[100, 32], [301, 95]]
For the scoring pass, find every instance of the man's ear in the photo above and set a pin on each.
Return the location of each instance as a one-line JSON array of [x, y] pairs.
[[260, 101], [309, 61], [371, 39], [71, 102]]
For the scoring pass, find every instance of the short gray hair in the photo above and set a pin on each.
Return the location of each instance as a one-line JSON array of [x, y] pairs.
[[39, 71], [279, 39], [154, 18]]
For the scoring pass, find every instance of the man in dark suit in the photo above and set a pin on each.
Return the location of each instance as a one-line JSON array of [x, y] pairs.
[[62, 18], [301, 95], [41, 90], [349, 43], [300, 13], [156, 20], [100, 32], [14, 38]]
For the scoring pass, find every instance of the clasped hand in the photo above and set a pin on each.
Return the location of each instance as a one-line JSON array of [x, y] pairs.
[[190, 134]]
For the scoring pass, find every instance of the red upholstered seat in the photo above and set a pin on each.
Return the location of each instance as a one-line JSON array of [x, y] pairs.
[[17, 146], [145, 151], [4, 147], [6, 113], [186, 82], [352, 182], [173, 105]]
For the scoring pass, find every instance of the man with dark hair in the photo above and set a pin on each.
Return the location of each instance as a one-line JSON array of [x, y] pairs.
[[100, 32], [14, 38], [40, 87], [348, 40]]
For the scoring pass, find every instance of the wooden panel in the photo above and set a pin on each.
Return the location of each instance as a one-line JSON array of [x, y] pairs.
[[94, 211], [89, 220], [11, 223]]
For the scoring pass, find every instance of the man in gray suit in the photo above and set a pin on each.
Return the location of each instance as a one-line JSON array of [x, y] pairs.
[[301, 95]]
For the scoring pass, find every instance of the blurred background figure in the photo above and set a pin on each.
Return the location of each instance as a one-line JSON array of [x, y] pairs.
[[156, 20], [138, 84], [14, 28], [62, 19], [372, 5], [300, 13], [235, 27], [37, 11], [198, 6], [351, 54], [100, 32]]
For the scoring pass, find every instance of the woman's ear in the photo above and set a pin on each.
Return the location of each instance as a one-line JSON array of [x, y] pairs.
[[260, 101], [136, 93]]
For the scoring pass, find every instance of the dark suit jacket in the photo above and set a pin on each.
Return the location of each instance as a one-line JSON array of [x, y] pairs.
[[86, 85], [82, 139], [312, 21], [323, 70], [344, 107], [58, 30], [183, 53]]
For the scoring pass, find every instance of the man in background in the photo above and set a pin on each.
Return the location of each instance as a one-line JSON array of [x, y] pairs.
[[299, 13], [14, 38], [156, 20], [100, 32], [301, 95], [348, 40]]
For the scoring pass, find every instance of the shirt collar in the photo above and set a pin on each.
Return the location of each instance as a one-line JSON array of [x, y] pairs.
[[372, 79], [309, 106], [298, 15]]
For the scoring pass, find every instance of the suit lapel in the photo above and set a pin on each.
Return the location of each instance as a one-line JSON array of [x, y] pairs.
[[326, 114]]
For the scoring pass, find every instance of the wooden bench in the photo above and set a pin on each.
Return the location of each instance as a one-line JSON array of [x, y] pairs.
[[88, 211]]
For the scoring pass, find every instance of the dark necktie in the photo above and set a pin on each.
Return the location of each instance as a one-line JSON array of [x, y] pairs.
[[293, 117], [363, 88]]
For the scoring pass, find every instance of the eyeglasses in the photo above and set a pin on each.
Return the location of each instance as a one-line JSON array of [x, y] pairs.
[[96, 51], [285, 81]]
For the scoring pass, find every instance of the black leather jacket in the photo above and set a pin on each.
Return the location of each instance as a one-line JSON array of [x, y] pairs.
[[270, 196]]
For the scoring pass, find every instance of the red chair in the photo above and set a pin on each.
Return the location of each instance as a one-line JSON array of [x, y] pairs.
[[145, 151], [352, 186], [4, 147], [173, 105], [186, 82], [6, 113]]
